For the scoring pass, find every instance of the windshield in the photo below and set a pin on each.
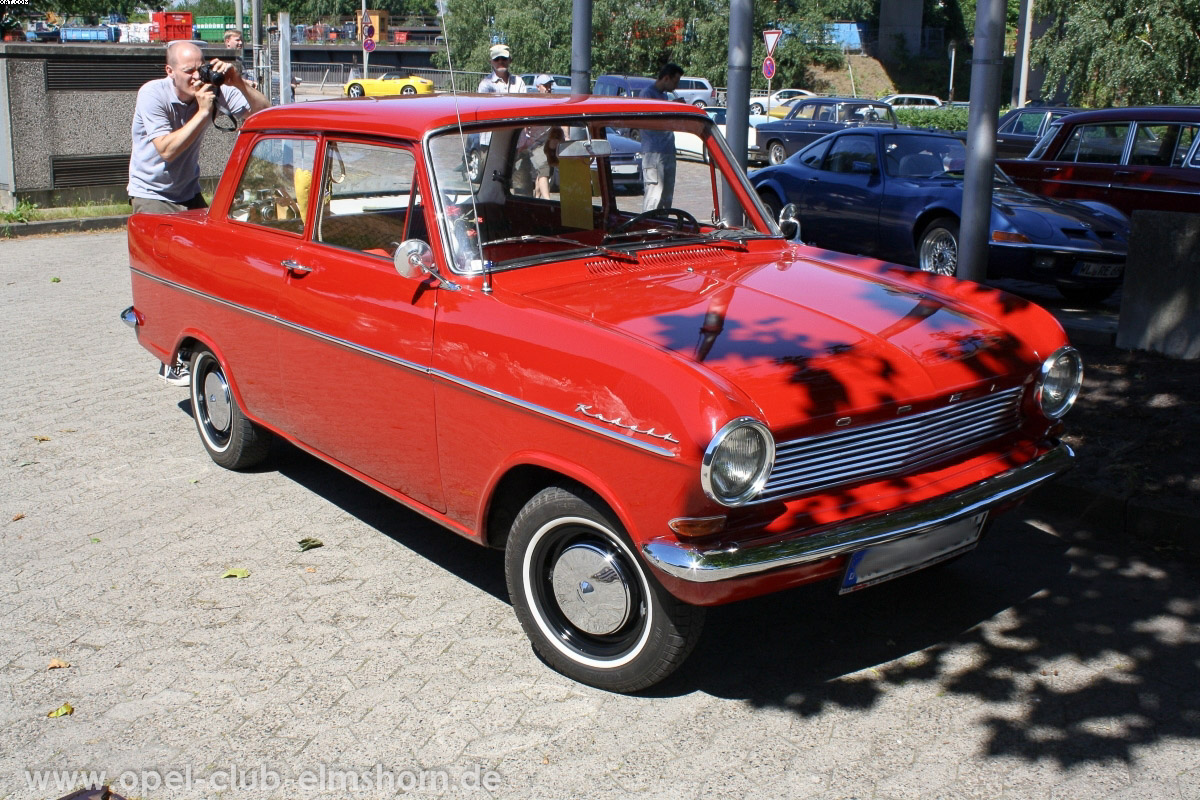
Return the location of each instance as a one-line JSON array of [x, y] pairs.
[[512, 195]]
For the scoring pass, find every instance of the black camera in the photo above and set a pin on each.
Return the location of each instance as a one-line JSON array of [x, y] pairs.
[[206, 74]]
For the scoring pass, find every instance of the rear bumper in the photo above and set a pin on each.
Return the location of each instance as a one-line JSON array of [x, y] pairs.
[[694, 564]]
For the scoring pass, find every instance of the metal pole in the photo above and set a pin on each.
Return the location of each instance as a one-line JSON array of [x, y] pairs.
[[362, 37], [581, 47], [1021, 66], [737, 96], [286, 93], [264, 79], [953, 53], [986, 66], [237, 21]]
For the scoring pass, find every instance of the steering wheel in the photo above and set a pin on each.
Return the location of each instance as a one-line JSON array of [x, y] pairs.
[[685, 219]]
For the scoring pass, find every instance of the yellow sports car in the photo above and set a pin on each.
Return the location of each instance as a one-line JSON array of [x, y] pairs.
[[390, 83]]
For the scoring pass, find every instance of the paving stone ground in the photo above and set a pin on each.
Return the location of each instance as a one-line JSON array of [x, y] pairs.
[[1047, 664]]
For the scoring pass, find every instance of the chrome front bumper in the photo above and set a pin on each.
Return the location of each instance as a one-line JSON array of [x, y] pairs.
[[695, 564]]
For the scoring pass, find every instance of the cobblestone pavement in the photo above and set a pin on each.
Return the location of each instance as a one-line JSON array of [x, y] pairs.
[[1044, 665]]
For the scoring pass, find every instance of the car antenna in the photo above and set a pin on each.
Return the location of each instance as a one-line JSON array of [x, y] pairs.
[[462, 139]]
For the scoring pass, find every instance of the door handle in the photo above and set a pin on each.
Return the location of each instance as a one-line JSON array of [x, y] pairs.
[[296, 268]]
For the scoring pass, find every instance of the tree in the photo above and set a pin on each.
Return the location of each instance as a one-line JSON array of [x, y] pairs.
[[1119, 52]]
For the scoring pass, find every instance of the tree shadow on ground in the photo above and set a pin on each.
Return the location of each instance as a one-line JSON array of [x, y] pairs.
[[1097, 649]]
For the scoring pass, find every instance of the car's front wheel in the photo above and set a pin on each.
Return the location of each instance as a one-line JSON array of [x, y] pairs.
[[409, 90], [231, 440], [937, 249], [774, 206], [356, 90], [587, 602], [776, 153]]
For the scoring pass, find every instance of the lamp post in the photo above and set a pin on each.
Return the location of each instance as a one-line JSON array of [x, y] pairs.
[[953, 49]]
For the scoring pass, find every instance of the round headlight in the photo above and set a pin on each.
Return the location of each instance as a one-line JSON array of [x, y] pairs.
[[1059, 382], [738, 461]]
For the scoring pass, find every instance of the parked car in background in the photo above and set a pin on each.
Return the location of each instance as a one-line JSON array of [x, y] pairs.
[[390, 83], [1020, 128], [562, 83], [648, 412], [1131, 158], [811, 118], [913, 101], [620, 85], [897, 195], [689, 145], [760, 105], [696, 91]]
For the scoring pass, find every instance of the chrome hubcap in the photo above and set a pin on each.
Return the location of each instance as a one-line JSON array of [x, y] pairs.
[[591, 589], [939, 253], [217, 403]]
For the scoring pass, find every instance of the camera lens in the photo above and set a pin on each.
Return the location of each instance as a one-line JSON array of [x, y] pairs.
[[207, 74]]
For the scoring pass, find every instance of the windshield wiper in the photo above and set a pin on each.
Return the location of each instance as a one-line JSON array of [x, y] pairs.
[[540, 237], [723, 236]]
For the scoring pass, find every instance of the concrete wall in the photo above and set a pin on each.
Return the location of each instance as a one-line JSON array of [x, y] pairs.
[[45, 119]]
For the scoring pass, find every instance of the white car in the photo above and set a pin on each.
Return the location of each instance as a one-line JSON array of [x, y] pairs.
[[913, 101], [688, 145], [760, 105]]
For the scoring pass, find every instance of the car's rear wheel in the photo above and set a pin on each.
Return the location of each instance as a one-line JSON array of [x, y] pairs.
[[587, 602], [776, 153], [1086, 295], [475, 165], [356, 90], [409, 90], [937, 249], [231, 440], [699, 104], [756, 108]]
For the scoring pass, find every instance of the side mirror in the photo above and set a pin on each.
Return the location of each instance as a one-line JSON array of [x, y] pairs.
[[414, 259], [789, 221]]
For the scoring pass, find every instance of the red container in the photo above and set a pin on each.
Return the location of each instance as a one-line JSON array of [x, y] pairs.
[[169, 26]]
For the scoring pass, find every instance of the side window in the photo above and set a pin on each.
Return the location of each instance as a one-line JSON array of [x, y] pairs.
[[852, 154], [368, 198], [276, 184], [1096, 144], [1161, 145], [813, 156], [805, 111], [1029, 123]]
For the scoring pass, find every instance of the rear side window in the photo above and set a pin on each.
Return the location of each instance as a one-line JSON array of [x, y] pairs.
[[276, 184], [1025, 122], [813, 156], [1101, 143], [1162, 144], [851, 153], [805, 111]]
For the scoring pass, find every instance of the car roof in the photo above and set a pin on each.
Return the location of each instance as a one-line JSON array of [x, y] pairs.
[[843, 100], [1139, 113], [412, 117]]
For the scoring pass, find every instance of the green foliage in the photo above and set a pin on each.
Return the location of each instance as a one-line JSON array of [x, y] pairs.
[[20, 213], [638, 36], [1120, 52], [944, 119]]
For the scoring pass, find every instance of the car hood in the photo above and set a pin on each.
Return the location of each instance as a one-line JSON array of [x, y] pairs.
[[1032, 213], [803, 339]]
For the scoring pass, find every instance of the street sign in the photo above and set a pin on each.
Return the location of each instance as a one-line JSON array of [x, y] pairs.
[[771, 38], [369, 32], [368, 45], [768, 68]]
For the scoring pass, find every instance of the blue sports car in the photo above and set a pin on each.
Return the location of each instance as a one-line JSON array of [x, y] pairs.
[[897, 195]]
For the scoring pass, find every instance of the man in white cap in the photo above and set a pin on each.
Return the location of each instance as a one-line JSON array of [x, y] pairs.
[[501, 80], [544, 83]]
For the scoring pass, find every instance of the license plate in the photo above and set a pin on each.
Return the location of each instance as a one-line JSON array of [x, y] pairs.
[[1091, 269], [625, 169], [886, 561]]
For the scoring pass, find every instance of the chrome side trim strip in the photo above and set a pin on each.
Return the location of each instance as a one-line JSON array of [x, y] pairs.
[[414, 367], [692, 563]]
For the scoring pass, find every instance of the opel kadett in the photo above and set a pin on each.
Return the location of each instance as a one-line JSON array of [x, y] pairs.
[[652, 406]]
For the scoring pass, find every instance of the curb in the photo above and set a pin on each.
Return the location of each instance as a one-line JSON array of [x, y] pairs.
[[1121, 519], [12, 229]]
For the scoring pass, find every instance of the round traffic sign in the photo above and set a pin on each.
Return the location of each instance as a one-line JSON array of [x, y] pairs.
[[768, 68], [368, 45], [369, 31]]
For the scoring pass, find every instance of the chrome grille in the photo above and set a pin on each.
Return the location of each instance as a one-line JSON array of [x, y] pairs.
[[875, 451]]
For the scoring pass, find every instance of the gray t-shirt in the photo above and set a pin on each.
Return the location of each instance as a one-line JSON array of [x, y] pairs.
[[494, 84], [159, 111]]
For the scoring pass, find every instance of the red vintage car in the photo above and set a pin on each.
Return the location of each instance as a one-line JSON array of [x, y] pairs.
[[650, 411], [1130, 158]]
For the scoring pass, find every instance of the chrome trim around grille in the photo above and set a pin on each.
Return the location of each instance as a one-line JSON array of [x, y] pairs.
[[875, 451], [692, 563]]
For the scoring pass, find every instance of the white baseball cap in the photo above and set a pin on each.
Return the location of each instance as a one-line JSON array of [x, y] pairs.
[[499, 51], [542, 80]]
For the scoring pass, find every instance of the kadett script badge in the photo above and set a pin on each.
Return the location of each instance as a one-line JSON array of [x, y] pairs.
[[586, 411]]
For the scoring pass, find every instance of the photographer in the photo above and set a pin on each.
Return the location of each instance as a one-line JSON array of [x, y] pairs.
[[169, 123]]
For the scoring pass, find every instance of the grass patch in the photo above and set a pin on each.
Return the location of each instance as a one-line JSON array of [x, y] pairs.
[[29, 212]]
